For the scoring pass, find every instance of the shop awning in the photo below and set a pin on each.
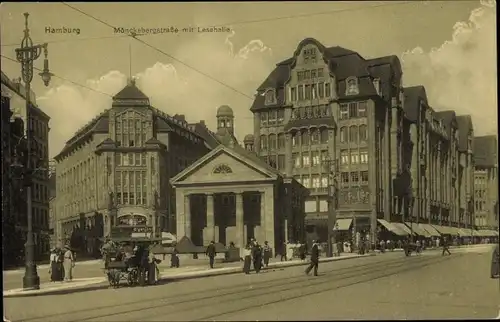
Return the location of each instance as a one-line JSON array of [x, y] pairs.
[[343, 224], [431, 230], [403, 227], [464, 232], [475, 233], [392, 228], [444, 230], [417, 229], [496, 233]]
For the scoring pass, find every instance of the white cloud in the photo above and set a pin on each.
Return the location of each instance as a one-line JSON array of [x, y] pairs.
[[171, 87], [461, 75]]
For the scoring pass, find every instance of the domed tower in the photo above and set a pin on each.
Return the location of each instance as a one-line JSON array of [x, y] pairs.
[[225, 118], [248, 142]]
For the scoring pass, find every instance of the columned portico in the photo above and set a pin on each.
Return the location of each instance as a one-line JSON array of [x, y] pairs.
[[240, 192]]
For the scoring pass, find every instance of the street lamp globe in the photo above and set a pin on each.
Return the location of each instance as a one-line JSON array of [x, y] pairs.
[[46, 74]]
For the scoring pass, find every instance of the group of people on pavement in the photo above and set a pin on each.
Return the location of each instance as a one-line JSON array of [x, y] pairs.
[[62, 262], [257, 255]]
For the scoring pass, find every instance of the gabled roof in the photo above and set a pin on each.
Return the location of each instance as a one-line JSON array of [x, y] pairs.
[[485, 151], [343, 63], [130, 92], [449, 119], [413, 96], [238, 153], [464, 127]]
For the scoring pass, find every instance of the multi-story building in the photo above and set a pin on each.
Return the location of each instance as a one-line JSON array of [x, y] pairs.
[[329, 103], [14, 96], [115, 170], [486, 182]]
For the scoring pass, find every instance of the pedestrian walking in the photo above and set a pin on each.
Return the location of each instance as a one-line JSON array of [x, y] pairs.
[[247, 259], [267, 253], [495, 263], [445, 247], [283, 252], [314, 259], [302, 251], [174, 258], [257, 257], [210, 252], [68, 264]]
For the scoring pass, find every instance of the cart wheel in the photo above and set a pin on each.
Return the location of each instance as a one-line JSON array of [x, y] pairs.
[[132, 277]]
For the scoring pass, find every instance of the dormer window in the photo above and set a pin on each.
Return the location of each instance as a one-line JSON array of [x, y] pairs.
[[270, 97], [376, 84], [352, 86]]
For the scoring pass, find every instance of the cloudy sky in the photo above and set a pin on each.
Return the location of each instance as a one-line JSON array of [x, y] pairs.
[[448, 46]]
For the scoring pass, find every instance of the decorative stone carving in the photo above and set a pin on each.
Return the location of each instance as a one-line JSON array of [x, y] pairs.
[[222, 169]]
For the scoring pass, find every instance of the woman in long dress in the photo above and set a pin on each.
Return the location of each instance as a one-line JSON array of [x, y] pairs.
[[54, 266], [68, 264]]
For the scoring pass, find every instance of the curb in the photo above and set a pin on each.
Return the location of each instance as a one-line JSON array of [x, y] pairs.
[[188, 275]]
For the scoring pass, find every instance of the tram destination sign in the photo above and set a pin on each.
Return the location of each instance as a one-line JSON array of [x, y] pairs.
[[130, 231]]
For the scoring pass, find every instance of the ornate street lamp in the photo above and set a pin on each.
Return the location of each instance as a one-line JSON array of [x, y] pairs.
[[26, 55]]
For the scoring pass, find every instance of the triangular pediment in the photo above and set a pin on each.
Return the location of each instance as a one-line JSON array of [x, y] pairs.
[[223, 165]]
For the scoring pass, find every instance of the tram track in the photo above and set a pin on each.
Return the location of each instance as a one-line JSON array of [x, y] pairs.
[[244, 295]]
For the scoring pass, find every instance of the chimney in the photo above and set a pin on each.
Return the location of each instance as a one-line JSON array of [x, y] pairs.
[[202, 122]]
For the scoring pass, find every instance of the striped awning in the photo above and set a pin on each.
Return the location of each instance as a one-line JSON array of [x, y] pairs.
[[441, 229], [464, 232], [431, 230], [392, 228], [404, 228], [418, 229]]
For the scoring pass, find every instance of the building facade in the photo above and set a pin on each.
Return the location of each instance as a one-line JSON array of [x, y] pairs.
[[114, 172], [466, 170], [14, 154], [231, 195], [331, 105], [486, 182]]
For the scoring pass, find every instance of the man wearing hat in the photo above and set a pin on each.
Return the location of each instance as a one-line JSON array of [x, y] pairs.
[[314, 259]]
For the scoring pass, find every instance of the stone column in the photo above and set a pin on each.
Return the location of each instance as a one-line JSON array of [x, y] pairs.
[[262, 230], [268, 217], [288, 154], [240, 234], [187, 216], [209, 231]]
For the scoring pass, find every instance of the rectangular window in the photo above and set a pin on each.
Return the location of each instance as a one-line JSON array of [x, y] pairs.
[[130, 158], [316, 183], [301, 92], [344, 157], [313, 73], [296, 158], [314, 91], [281, 162], [293, 94], [263, 118], [281, 141], [272, 117], [306, 182], [354, 157], [315, 158], [362, 109], [300, 76], [125, 198], [320, 72], [295, 139], [307, 74], [308, 92], [327, 90], [143, 158], [344, 177], [305, 160], [321, 90], [363, 155], [324, 181], [272, 161], [138, 159], [353, 110], [324, 156], [364, 176], [354, 177], [344, 112]]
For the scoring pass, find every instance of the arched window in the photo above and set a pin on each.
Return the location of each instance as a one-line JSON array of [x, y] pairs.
[[353, 134], [281, 140], [314, 136], [263, 142], [324, 135], [362, 133], [352, 86], [305, 137], [343, 134], [222, 169]]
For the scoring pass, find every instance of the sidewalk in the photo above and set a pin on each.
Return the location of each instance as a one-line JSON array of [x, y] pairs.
[[165, 275], [47, 266]]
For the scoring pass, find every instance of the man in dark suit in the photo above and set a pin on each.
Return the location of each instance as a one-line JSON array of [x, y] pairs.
[[314, 259], [211, 253]]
